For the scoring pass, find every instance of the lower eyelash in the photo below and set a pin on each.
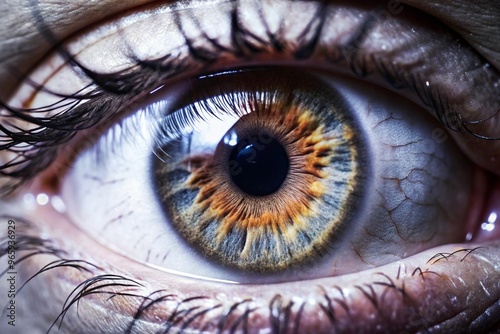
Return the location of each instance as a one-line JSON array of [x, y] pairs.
[[182, 316], [26, 241], [98, 285], [202, 313]]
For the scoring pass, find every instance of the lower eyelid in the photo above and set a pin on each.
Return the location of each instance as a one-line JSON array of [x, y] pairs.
[[434, 288]]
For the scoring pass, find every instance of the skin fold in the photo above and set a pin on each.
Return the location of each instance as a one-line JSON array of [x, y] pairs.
[[451, 288]]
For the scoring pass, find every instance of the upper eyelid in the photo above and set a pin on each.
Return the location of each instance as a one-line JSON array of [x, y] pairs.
[[108, 92], [9, 36]]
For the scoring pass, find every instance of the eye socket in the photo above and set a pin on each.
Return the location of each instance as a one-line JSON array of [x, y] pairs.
[[356, 195]]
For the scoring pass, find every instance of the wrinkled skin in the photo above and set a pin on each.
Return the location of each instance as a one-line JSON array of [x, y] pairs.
[[459, 293]]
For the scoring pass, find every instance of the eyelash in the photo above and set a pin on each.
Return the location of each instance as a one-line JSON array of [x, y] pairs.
[[231, 318], [94, 104]]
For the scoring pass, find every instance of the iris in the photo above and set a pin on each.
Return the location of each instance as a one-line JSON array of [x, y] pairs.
[[265, 172]]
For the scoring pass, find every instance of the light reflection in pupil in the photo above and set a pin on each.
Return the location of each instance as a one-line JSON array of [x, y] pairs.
[[258, 167]]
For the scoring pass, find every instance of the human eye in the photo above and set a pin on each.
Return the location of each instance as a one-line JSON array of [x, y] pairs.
[[114, 112]]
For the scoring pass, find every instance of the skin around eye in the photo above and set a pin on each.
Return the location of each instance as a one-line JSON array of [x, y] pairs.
[[419, 293]]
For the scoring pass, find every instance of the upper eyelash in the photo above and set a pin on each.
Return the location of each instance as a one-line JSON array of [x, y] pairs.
[[36, 149]]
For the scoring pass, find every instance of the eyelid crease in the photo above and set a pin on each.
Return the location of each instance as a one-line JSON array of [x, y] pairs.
[[359, 54]]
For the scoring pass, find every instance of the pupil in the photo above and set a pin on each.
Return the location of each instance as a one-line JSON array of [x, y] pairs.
[[258, 168]]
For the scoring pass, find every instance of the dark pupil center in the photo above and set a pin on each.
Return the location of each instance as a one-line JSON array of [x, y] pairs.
[[258, 167]]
